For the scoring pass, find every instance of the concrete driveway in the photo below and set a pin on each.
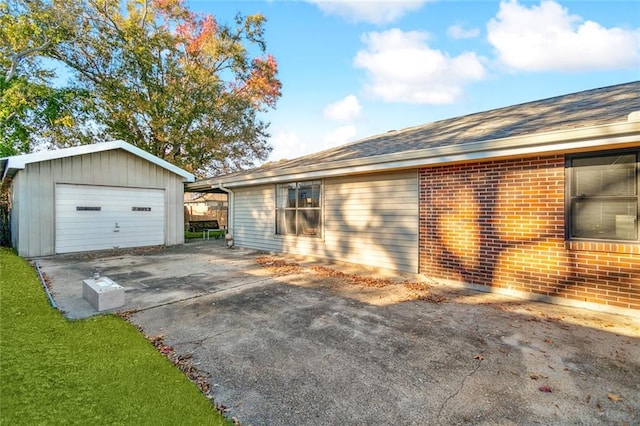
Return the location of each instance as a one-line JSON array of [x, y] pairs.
[[297, 342]]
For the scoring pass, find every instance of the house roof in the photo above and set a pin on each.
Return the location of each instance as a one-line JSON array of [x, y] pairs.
[[9, 166], [592, 118]]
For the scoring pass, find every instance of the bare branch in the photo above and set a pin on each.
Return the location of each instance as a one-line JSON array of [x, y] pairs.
[[18, 56], [144, 14]]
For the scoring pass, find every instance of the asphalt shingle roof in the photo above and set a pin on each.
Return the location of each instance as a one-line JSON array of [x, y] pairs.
[[589, 108]]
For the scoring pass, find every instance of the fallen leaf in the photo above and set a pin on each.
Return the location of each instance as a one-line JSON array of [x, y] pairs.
[[433, 298], [545, 389], [614, 398]]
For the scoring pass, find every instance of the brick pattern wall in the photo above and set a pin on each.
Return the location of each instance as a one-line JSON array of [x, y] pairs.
[[501, 224]]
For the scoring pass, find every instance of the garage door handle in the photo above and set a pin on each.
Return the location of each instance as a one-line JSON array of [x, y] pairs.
[[117, 228]]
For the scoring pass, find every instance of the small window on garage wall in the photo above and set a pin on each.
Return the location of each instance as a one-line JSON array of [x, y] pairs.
[[602, 196], [298, 208]]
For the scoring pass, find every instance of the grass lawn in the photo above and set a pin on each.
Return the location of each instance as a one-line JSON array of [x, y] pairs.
[[188, 235], [95, 371]]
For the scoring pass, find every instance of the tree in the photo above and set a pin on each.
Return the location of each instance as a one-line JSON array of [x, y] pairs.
[[32, 111], [175, 83]]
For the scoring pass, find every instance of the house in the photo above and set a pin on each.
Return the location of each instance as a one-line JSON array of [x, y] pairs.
[[538, 200], [93, 197]]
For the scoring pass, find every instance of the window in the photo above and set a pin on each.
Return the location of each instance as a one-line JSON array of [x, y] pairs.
[[298, 209], [603, 196]]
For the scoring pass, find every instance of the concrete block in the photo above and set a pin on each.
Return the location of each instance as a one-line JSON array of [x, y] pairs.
[[102, 293]]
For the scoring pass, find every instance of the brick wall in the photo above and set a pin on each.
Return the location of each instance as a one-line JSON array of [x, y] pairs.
[[501, 224]]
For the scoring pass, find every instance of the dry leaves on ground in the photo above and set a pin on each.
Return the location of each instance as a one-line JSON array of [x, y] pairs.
[[279, 267], [614, 398], [183, 361], [282, 267], [432, 298], [371, 282]]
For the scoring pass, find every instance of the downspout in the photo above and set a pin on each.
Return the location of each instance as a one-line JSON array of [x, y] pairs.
[[230, 213]]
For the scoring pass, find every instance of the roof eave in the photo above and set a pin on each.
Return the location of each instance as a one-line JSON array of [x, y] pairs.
[[609, 135]]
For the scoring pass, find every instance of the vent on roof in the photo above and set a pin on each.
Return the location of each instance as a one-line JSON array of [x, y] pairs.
[[634, 116]]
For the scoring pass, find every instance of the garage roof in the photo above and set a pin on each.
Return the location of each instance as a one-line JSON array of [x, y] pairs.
[[10, 165]]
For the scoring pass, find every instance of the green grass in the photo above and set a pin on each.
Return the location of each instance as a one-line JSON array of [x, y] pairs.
[[192, 235], [95, 371], [188, 235]]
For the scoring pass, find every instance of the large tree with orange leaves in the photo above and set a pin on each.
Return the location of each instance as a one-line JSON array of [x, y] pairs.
[[175, 83]]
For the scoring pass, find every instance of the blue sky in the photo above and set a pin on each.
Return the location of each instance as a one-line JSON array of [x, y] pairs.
[[352, 69]]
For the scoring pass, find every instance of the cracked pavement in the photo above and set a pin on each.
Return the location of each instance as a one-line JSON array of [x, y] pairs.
[[308, 349]]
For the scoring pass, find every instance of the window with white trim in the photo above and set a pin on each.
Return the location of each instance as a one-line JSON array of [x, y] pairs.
[[298, 208], [602, 196]]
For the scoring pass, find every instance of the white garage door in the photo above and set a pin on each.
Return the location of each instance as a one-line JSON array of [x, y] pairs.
[[105, 217]]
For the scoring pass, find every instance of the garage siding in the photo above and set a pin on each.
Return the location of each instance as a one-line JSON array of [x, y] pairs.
[[34, 194], [368, 219]]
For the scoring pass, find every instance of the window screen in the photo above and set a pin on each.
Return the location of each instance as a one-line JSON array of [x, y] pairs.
[[604, 196]]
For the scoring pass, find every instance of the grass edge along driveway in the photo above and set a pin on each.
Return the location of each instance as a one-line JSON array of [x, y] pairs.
[[95, 371]]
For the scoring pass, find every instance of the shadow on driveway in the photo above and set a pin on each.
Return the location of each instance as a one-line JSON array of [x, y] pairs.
[[300, 346]]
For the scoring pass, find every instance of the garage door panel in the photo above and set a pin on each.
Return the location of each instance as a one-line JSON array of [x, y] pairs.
[[97, 217]]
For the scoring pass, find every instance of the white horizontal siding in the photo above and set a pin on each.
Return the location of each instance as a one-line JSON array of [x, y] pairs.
[[373, 220], [254, 218], [367, 219]]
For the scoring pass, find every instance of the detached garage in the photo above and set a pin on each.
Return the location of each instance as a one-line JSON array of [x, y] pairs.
[[93, 197]]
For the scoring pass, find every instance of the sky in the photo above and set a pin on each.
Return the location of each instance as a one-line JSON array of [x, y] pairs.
[[353, 69]]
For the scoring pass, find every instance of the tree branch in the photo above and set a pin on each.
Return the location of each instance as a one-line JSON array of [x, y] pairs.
[[18, 56]]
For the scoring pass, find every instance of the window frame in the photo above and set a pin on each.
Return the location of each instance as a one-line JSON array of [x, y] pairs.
[[297, 209], [570, 182]]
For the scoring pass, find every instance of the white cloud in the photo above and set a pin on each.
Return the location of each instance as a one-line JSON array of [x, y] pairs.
[[286, 145], [548, 38], [345, 110], [401, 67], [457, 31], [340, 136], [371, 11]]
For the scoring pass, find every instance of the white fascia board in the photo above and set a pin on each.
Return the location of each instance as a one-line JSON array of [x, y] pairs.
[[552, 142], [20, 161]]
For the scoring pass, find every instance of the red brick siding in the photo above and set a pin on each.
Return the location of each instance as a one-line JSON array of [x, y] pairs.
[[501, 224]]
